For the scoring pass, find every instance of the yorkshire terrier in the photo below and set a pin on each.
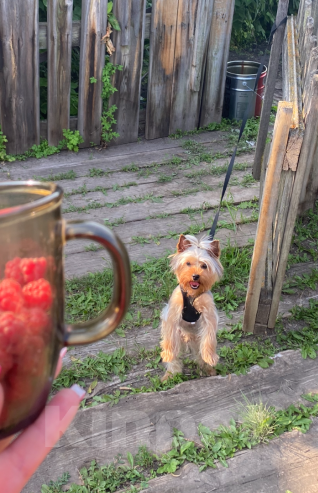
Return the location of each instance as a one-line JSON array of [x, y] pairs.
[[190, 319]]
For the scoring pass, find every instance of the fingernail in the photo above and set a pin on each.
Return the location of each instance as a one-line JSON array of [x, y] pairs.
[[63, 352], [79, 391]]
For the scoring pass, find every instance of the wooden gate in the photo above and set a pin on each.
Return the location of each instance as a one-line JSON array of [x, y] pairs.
[[189, 44]]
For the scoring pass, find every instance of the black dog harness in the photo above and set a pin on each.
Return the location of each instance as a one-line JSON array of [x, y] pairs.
[[189, 313]]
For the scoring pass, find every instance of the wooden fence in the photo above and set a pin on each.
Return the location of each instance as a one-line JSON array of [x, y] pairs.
[[289, 174], [189, 44]]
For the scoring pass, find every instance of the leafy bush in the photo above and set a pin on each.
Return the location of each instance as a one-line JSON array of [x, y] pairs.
[[253, 20], [72, 139]]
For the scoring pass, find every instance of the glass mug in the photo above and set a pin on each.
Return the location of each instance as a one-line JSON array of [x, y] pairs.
[[32, 328]]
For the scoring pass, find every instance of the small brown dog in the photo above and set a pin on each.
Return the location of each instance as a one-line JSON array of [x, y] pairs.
[[190, 319]]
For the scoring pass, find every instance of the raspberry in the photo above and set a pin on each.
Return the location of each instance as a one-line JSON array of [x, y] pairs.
[[13, 271], [6, 362], [36, 321], [33, 269], [19, 387], [10, 295], [38, 294], [12, 332], [33, 360]]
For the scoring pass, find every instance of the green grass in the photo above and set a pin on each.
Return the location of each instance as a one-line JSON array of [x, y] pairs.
[[259, 424], [70, 175]]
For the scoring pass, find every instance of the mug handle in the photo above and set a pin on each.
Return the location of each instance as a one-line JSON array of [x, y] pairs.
[[106, 323]]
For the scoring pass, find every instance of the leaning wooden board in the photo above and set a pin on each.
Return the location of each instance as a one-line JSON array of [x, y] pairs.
[[19, 68], [129, 44], [148, 419]]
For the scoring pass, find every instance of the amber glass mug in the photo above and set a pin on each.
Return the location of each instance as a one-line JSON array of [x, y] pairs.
[[32, 328]]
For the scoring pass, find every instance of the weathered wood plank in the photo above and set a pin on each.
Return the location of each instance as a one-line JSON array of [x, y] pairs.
[[306, 12], [59, 68], [44, 126], [92, 59], [82, 263], [129, 44], [218, 49], [268, 207], [288, 463], [305, 162], [161, 67], [19, 74], [76, 34], [270, 87], [192, 38], [311, 70], [102, 432]]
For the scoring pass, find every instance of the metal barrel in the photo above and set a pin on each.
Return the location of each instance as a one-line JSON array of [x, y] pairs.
[[239, 89]]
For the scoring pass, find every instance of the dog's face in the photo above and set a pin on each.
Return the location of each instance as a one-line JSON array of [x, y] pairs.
[[196, 264]]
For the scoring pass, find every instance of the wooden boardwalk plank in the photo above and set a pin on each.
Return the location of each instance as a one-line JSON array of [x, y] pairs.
[[288, 463], [82, 263], [19, 74], [193, 31], [129, 44], [60, 14], [161, 67], [115, 158], [92, 57], [102, 432], [218, 50]]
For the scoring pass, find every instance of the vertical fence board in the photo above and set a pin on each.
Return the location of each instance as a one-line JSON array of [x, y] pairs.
[[59, 29], [267, 212], [193, 31], [161, 67], [218, 51], [129, 44], [305, 163], [270, 88], [92, 59], [19, 74]]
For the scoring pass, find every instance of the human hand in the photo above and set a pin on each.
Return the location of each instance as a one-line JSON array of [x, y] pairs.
[[20, 457]]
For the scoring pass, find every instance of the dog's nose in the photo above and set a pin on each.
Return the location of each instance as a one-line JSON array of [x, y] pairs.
[[195, 277]]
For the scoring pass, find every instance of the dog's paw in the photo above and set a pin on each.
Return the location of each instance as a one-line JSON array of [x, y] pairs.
[[208, 371], [211, 359], [166, 376]]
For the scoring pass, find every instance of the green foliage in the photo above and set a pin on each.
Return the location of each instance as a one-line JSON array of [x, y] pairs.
[[253, 20], [102, 367], [259, 424], [72, 139], [108, 119], [111, 18], [69, 175], [3, 152]]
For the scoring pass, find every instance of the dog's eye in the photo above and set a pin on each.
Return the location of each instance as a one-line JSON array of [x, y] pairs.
[[204, 266], [188, 263]]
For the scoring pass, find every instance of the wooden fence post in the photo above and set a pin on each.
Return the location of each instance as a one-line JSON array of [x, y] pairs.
[[305, 161], [193, 32], [270, 88], [161, 67], [92, 60], [59, 34], [19, 74], [267, 211], [129, 44], [216, 65]]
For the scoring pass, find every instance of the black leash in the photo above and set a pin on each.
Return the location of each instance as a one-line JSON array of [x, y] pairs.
[[245, 118]]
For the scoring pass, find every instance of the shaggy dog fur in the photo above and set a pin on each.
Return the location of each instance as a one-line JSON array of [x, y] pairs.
[[197, 267]]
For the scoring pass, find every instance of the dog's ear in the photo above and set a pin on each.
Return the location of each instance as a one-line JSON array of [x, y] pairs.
[[183, 244], [215, 250]]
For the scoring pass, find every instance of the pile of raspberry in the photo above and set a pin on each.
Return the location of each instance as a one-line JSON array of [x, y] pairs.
[[25, 325]]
